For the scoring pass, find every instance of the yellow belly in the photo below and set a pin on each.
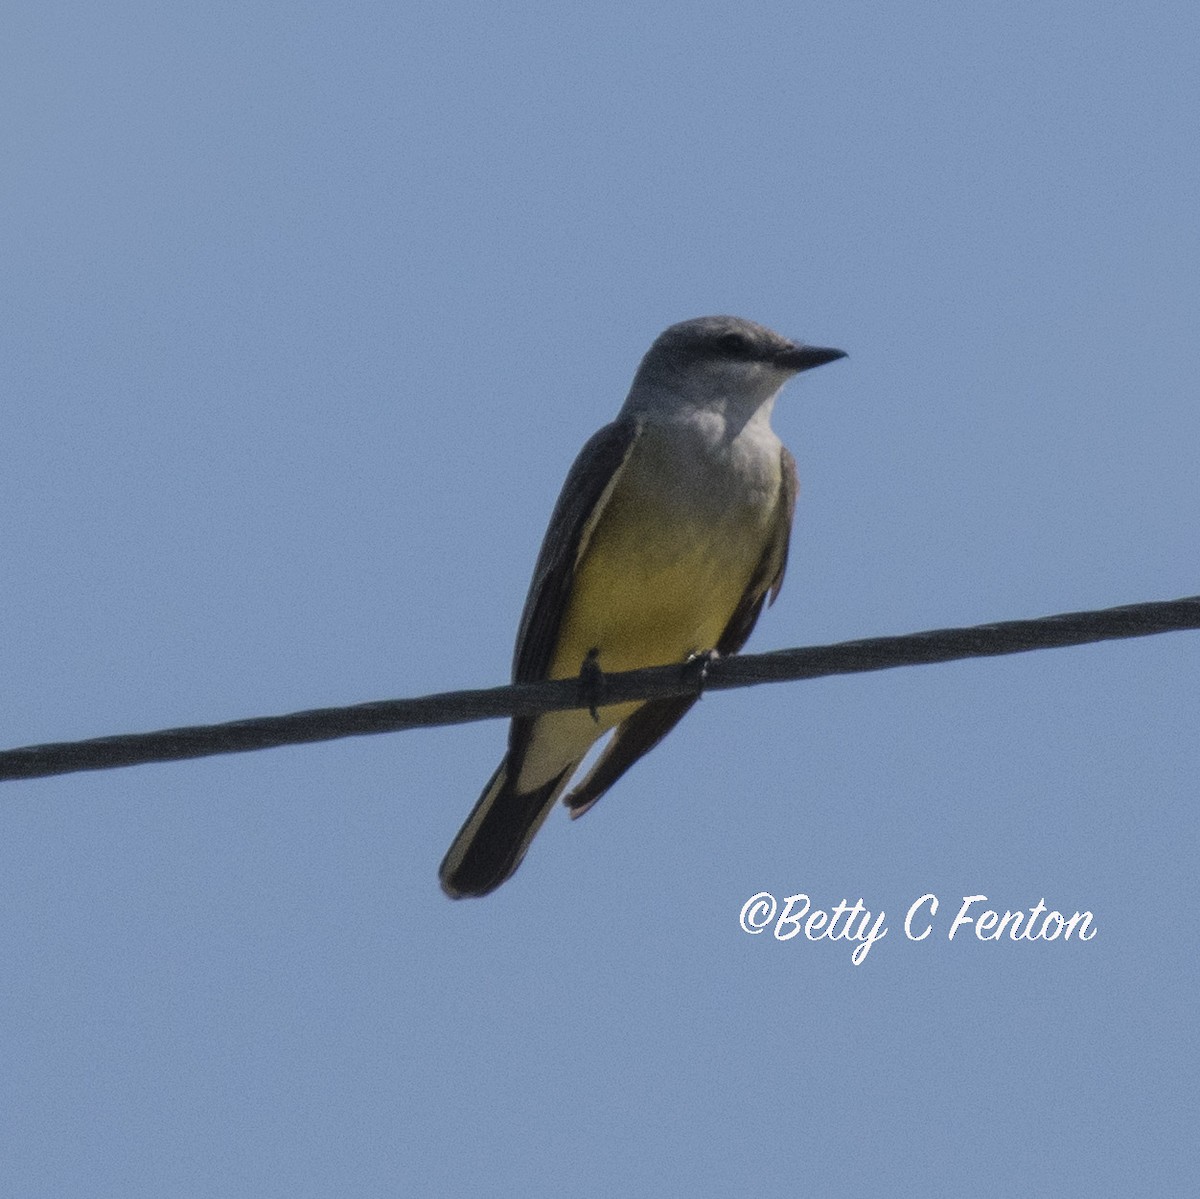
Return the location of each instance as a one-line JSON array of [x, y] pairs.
[[654, 586], [639, 601], [648, 601], [659, 580]]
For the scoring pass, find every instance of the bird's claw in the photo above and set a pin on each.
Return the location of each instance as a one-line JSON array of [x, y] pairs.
[[696, 667]]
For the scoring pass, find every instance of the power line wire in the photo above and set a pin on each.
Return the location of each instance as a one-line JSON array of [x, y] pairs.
[[526, 699]]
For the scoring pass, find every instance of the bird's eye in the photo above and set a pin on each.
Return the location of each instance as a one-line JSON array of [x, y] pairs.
[[736, 345]]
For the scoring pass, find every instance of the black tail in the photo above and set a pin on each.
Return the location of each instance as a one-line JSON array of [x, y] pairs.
[[490, 846]]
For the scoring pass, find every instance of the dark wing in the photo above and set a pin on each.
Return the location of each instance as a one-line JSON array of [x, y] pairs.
[[655, 719], [490, 845], [633, 739], [588, 485]]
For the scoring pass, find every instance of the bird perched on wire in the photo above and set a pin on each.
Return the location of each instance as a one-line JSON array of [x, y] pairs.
[[669, 536]]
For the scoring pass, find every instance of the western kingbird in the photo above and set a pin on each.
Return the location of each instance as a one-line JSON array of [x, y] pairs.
[[669, 535]]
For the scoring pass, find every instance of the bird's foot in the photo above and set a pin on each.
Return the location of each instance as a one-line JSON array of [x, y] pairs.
[[695, 668], [591, 682]]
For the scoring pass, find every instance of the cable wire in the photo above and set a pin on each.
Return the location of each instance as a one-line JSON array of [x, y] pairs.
[[527, 699]]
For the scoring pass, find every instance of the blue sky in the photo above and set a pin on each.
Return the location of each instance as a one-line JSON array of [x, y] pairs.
[[308, 309]]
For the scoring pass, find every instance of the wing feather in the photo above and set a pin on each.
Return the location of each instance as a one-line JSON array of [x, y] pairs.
[[585, 491]]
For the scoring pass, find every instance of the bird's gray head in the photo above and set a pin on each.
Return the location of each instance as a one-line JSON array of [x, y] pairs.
[[723, 357]]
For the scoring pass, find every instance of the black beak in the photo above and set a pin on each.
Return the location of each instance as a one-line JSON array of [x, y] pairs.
[[804, 358]]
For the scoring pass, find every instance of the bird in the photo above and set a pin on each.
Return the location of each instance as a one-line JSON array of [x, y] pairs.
[[670, 534]]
